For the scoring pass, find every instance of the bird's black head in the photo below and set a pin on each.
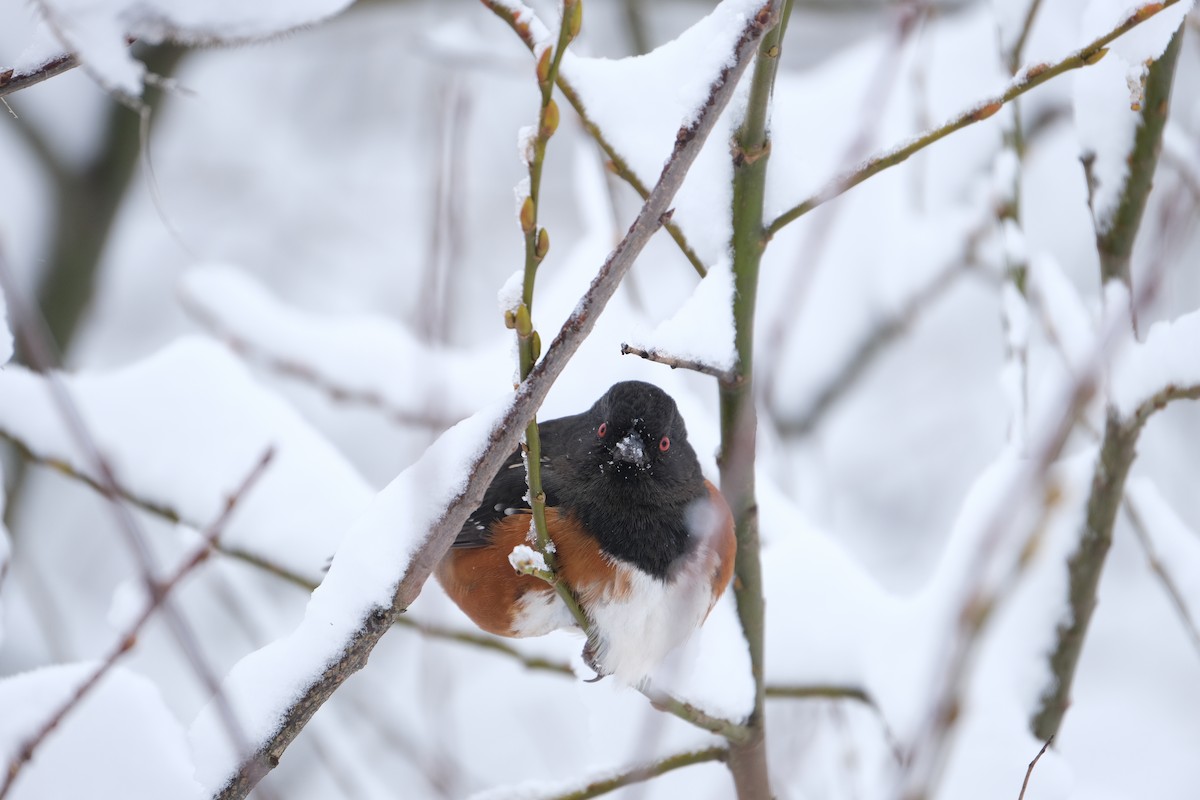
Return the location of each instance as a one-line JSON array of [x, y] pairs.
[[634, 475], [641, 438]]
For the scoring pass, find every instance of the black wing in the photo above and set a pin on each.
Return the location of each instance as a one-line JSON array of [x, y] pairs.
[[506, 495]]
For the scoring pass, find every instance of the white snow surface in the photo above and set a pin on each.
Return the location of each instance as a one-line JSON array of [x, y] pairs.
[[182, 430], [1176, 545], [96, 30], [702, 329], [1167, 358], [120, 741]]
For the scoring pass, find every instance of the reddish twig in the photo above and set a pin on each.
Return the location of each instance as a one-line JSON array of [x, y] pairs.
[[30, 330], [1032, 764], [674, 362], [158, 591]]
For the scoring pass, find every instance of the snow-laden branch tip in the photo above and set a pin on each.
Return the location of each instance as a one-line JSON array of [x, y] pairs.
[[387, 557], [699, 336], [97, 34], [1147, 375]]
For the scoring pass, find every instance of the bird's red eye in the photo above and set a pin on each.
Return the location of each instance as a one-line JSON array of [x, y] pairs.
[[664, 444], [603, 429]]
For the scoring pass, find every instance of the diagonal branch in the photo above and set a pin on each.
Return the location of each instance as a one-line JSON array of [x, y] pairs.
[[675, 362], [1032, 764], [506, 432], [643, 773], [1115, 236], [13, 81], [1027, 79], [1159, 568]]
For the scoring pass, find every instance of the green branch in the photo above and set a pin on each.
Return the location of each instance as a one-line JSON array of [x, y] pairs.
[[1084, 567], [1116, 234], [736, 734], [1119, 446], [751, 153], [529, 344], [1030, 77], [640, 774]]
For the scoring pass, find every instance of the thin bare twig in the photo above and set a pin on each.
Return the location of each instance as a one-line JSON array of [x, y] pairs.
[[643, 773], [1018, 48], [1032, 764], [505, 434], [868, 350], [674, 362], [733, 731], [1185, 169], [158, 592], [1138, 523]]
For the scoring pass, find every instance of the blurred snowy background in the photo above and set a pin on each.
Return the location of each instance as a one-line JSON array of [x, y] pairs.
[[305, 252]]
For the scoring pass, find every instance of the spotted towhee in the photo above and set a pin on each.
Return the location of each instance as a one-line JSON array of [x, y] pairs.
[[644, 541]]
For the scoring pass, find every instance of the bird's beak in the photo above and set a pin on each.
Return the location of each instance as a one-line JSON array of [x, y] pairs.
[[631, 450]]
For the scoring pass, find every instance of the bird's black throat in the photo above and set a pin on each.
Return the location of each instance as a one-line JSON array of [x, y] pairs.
[[652, 538]]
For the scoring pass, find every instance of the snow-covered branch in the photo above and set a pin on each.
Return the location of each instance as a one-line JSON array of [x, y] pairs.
[[15, 79]]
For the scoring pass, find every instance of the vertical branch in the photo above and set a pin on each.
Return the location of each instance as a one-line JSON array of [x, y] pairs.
[[88, 198], [1114, 239], [751, 151], [1115, 236], [88, 202], [537, 244], [1084, 567], [1008, 214]]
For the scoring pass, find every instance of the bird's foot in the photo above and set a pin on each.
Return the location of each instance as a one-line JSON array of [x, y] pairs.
[[592, 658]]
